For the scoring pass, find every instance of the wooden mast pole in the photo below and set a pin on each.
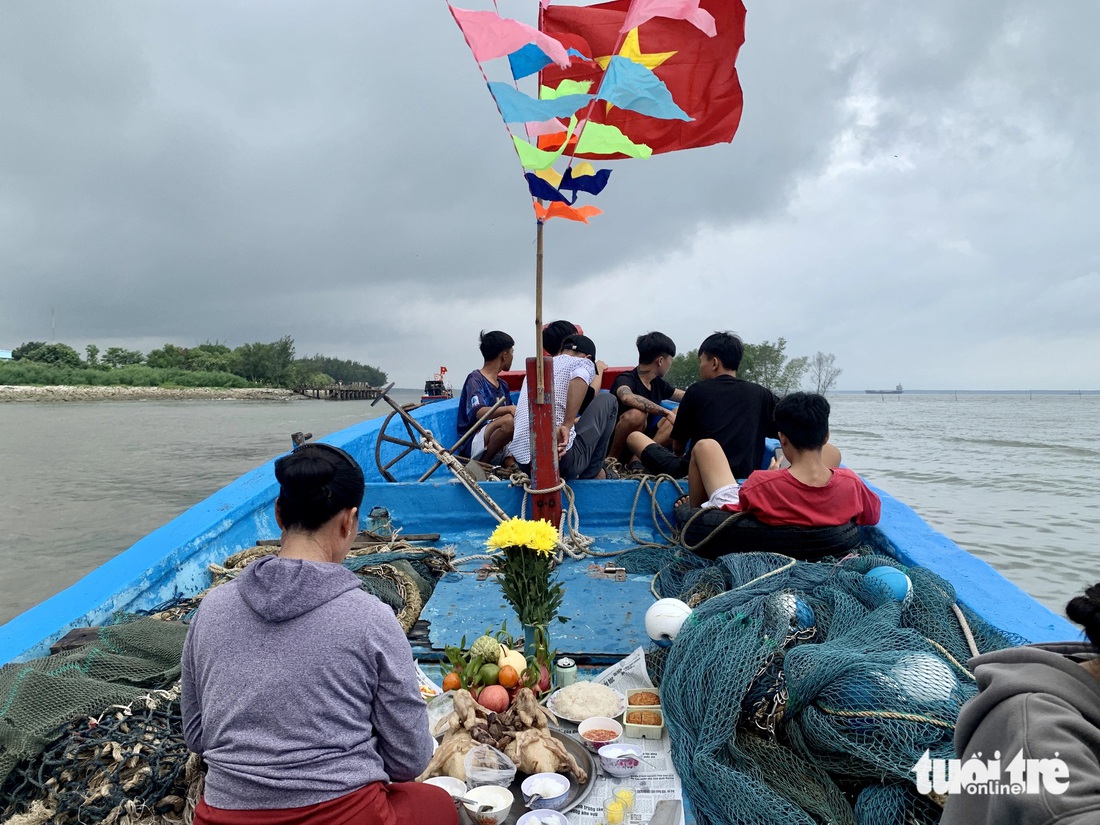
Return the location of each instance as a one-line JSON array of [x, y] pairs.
[[544, 448]]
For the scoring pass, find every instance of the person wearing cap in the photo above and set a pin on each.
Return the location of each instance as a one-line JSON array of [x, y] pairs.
[[583, 432]]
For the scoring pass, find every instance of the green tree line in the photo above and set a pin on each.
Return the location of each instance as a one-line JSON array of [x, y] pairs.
[[767, 364], [209, 364]]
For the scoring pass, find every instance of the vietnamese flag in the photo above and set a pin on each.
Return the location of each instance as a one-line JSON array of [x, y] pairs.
[[698, 70]]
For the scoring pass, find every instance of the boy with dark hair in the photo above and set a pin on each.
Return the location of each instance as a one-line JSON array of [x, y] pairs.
[[482, 389], [581, 436], [813, 492], [737, 414], [641, 391], [554, 335]]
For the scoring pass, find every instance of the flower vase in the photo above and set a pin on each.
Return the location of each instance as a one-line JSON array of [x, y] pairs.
[[532, 635]]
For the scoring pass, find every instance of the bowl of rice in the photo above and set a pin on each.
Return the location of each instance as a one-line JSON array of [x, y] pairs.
[[583, 700], [551, 788]]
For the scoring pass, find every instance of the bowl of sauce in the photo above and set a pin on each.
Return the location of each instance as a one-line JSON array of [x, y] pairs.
[[599, 731]]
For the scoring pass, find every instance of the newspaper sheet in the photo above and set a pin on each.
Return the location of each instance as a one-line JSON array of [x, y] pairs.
[[428, 689], [652, 782]]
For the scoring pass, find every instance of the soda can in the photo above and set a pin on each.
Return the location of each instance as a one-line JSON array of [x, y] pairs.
[[566, 671]]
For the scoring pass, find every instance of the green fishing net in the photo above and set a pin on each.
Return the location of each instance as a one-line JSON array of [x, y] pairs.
[[95, 734], [802, 692], [124, 663]]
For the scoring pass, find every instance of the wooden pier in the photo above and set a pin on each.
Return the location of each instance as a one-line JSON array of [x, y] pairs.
[[342, 392]]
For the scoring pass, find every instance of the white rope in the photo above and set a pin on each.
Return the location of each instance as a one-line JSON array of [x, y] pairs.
[[571, 541], [672, 537], [965, 625], [430, 445]]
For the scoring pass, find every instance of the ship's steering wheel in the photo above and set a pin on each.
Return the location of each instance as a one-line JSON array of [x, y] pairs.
[[411, 443], [414, 437]]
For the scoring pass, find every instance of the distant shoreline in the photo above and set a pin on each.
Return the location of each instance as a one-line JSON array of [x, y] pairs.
[[17, 393]]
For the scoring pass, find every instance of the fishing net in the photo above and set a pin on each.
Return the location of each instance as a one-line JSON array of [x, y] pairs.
[[124, 663], [91, 735], [804, 692], [127, 766]]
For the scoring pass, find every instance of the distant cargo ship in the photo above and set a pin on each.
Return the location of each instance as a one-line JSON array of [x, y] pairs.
[[896, 391]]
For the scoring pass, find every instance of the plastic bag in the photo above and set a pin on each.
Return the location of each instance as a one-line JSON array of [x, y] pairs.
[[439, 709], [485, 765]]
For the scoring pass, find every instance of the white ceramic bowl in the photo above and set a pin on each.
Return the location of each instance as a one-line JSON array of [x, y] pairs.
[[620, 759], [500, 798], [455, 787], [549, 801], [599, 723], [542, 818]]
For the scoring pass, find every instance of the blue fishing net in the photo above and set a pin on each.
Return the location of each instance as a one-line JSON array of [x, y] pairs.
[[836, 687]]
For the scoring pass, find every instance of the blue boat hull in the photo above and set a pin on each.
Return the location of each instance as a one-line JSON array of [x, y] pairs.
[[606, 617]]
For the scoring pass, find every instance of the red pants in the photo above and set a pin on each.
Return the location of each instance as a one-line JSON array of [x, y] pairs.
[[400, 803]]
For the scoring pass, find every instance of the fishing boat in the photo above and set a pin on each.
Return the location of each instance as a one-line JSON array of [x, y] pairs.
[[174, 560], [725, 692], [435, 389], [606, 606]]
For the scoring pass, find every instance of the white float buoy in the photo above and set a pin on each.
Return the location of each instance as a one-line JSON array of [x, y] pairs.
[[664, 618]]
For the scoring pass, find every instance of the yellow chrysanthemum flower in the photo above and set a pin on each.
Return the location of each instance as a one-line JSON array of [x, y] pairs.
[[540, 536]]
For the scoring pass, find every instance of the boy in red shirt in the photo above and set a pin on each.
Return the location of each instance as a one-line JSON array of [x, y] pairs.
[[810, 493]]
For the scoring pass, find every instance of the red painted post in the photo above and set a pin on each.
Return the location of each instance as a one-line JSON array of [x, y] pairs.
[[544, 444]]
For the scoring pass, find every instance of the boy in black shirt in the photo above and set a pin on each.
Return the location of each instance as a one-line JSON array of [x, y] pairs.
[[737, 414], [641, 391]]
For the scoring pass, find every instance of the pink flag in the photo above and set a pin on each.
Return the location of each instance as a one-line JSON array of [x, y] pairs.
[[489, 36], [643, 10], [546, 127]]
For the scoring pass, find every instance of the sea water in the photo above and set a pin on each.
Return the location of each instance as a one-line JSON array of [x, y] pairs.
[[1011, 478]]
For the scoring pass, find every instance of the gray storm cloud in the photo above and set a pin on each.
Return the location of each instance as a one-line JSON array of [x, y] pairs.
[[912, 188]]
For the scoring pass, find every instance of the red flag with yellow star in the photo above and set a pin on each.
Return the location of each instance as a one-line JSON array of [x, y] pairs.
[[698, 70]]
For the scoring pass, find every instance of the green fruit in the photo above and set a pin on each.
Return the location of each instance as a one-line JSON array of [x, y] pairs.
[[486, 647], [489, 674]]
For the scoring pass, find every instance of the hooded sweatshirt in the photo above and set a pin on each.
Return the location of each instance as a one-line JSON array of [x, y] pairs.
[[299, 687], [1038, 700]]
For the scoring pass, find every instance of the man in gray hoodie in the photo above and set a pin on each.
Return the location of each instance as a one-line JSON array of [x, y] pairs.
[[299, 688], [1038, 716], [314, 686]]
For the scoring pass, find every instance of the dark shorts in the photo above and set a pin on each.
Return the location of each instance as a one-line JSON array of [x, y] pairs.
[[661, 460], [652, 424]]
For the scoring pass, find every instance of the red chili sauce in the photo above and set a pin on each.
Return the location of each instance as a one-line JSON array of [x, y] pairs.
[[599, 735]]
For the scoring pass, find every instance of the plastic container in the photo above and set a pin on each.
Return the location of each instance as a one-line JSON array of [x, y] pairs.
[[650, 705], [603, 723], [638, 730]]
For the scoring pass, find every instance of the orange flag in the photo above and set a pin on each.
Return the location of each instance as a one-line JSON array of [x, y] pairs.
[[556, 209]]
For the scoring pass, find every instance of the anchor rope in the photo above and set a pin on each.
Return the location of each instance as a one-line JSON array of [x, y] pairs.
[[428, 444]]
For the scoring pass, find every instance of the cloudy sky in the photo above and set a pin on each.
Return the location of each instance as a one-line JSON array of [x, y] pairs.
[[914, 188]]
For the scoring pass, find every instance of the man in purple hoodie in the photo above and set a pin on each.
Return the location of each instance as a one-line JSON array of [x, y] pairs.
[[299, 688]]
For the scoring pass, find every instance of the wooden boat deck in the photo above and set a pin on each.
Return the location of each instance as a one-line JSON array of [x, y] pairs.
[[606, 618]]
